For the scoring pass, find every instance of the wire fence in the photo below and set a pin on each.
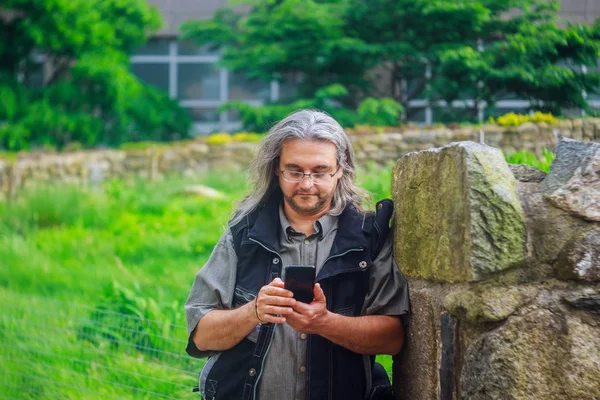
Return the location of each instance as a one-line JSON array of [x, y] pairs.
[[52, 349]]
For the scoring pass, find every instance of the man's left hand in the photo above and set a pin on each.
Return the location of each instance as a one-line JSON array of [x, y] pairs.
[[310, 318], [369, 334]]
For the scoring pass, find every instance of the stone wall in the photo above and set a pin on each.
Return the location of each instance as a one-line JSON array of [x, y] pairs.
[[190, 158], [503, 264]]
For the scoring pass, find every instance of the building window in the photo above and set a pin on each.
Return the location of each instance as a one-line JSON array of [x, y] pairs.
[[156, 74], [190, 74], [198, 82], [243, 88]]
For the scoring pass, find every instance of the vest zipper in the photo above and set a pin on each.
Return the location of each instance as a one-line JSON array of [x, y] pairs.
[[330, 388], [262, 363]]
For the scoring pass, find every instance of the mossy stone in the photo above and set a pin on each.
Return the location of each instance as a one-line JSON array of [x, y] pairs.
[[458, 217], [487, 303]]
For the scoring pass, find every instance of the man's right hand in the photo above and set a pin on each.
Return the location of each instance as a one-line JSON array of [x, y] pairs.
[[273, 303], [220, 330]]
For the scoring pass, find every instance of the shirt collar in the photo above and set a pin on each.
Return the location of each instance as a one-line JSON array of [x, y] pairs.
[[322, 226]]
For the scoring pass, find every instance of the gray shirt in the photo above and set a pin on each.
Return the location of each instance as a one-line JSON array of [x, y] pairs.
[[284, 374]]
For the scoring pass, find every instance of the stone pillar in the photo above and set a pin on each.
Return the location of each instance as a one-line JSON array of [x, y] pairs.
[[504, 285]]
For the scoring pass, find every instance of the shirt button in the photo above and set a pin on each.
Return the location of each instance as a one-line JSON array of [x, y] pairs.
[[303, 369], [276, 261], [303, 336], [252, 372], [306, 241]]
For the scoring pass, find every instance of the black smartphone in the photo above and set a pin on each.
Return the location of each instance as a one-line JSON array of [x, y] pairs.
[[300, 279]]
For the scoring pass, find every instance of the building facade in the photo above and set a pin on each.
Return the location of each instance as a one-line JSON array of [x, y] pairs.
[[191, 74]]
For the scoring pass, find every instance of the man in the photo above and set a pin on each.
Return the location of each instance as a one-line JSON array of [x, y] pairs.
[[305, 209]]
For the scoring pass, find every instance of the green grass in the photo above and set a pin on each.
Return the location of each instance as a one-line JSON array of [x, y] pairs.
[[84, 273], [528, 158]]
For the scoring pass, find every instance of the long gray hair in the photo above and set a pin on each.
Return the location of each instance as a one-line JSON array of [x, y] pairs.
[[303, 125]]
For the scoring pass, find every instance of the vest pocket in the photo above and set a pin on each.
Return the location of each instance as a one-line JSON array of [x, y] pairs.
[[242, 296]]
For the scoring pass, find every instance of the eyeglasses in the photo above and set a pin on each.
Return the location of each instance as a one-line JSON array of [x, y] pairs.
[[316, 178]]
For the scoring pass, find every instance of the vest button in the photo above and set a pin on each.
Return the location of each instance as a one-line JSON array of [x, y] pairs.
[[276, 260], [252, 372], [362, 264], [303, 369], [303, 336]]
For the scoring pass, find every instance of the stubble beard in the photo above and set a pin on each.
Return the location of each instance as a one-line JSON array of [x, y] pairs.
[[319, 205]]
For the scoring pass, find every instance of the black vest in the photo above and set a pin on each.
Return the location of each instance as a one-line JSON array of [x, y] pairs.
[[333, 371]]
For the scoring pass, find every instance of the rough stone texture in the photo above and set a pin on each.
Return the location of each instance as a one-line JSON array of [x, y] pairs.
[[528, 332], [488, 303], [458, 217], [541, 355], [420, 352], [548, 227], [580, 258], [527, 173], [573, 183], [589, 303]]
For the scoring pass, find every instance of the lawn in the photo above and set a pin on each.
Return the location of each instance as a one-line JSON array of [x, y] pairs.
[[93, 283]]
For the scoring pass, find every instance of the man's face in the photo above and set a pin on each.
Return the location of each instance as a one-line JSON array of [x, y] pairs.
[[308, 156]]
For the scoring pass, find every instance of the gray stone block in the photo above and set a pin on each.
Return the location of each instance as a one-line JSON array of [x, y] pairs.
[[573, 183], [580, 258], [526, 173], [542, 355]]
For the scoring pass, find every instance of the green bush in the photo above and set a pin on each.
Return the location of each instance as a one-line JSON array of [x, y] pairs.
[[379, 112], [126, 317], [261, 118], [371, 111]]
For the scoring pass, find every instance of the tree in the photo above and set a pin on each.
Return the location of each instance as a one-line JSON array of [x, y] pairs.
[[302, 41], [530, 56], [446, 49], [406, 37], [89, 94]]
